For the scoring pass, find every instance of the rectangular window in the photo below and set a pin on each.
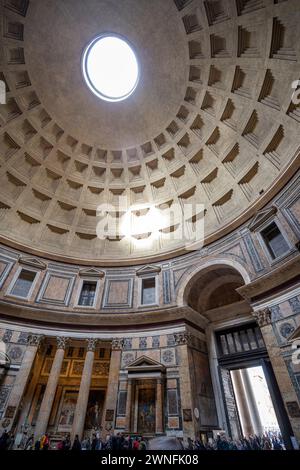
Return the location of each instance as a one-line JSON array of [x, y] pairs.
[[148, 291], [87, 295], [275, 241], [23, 284], [80, 352], [101, 353]]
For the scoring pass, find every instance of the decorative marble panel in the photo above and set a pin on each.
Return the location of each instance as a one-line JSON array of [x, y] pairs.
[[168, 357], [143, 343], [172, 402], [4, 393], [127, 358], [173, 423], [100, 369], [121, 410], [15, 353], [253, 254], [120, 422], [166, 287], [127, 343], [295, 304], [117, 293], [48, 364], [23, 337], [7, 336], [56, 288], [170, 340]]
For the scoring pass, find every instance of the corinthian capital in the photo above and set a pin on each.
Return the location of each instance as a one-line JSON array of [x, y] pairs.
[[117, 343], [34, 340], [182, 338], [62, 342], [263, 317], [91, 344]]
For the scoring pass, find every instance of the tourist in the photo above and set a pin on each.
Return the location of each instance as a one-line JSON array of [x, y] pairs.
[[136, 444], [4, 441], [142, 445], [222, 443], [29, 443], [276, 444], [37, 445], [190, 445], [94, 442], [86, 444], [45, 442], [67, 443], [60, 445], [76, 444]]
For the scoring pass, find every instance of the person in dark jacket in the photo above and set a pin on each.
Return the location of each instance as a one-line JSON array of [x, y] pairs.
[[4, 439], [76, 444], [37, 445], [222, 444]]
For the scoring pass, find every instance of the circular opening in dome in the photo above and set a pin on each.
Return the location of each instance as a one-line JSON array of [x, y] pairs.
[[110, 68]]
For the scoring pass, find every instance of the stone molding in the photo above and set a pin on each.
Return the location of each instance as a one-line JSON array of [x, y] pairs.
[[148, 269], [261, 217], [34, 339], [117, 343], [62, 342], [263, 317], [92, 272], [182, 338], [91, 344], [32, 262]]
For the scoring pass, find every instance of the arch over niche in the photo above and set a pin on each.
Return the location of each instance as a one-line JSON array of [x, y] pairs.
[[195, 272]]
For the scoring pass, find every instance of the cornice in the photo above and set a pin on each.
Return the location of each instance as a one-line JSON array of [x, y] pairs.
[[95, 321], [277, 278]]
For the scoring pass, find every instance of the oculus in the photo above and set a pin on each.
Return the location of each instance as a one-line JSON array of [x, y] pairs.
[[110, 67]]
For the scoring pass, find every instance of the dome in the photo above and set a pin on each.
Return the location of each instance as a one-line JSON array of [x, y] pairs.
[[208, 135]]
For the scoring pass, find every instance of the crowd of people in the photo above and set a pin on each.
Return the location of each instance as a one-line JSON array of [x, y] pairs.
[[112, 442], [267, 441], [121, 442]]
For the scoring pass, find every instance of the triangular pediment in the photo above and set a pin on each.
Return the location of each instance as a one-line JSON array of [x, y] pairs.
[[91, 272], [261, 217], [145, 363], [33, 262], [149, 269]]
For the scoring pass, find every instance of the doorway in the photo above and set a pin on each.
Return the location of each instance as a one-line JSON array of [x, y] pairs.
[[253, 402], [255, 407]]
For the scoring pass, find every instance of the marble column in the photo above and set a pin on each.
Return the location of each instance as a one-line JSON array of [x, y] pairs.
[[286, 387], [128, 405], [252, 405], [48, 398], [182, 341], [159, 407], [16, 395], [84, 390], [111, 399], [27, 399], [242, 403]]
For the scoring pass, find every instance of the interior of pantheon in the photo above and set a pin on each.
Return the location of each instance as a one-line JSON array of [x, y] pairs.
[[150, 218]]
